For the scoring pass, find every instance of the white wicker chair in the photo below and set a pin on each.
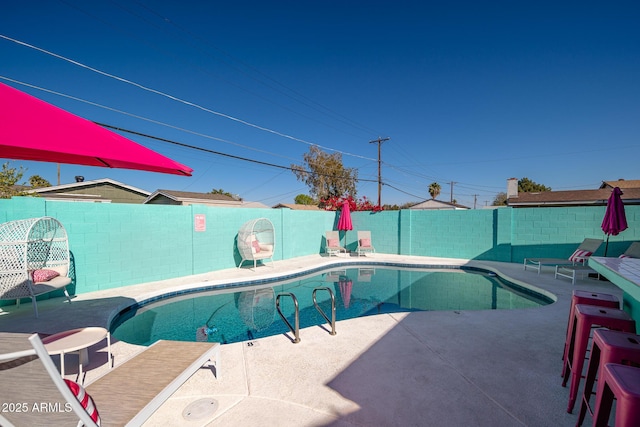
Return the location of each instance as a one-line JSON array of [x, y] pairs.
[[30, 245], [256, 241]]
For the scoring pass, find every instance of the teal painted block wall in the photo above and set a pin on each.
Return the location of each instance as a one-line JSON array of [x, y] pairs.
[[117, 245]]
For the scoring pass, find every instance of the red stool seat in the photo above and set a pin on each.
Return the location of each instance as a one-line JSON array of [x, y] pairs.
[[586, 317], [623, 383], [588, 298], [608, 347]]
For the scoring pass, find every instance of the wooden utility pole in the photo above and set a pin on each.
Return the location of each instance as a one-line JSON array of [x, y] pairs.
[[451, 196], [379, 141]]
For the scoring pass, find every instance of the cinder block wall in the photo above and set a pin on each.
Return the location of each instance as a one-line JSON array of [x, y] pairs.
[[117, 245]]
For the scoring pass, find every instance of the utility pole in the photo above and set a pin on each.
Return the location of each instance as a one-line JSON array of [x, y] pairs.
[[475, 200], [451, 196], [379, 141]]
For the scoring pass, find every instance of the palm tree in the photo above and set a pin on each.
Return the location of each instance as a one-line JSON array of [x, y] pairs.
[[434, 190]]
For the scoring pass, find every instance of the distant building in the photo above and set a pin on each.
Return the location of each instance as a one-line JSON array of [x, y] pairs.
[[255, 205], [297, 207], [186, 198], [598, 197], [103, 190], [433, 204]]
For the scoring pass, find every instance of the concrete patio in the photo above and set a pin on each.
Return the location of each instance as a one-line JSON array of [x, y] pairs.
[[449, 368]]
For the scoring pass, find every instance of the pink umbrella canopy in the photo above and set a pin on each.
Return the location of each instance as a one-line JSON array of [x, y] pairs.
[[31, 129], [344, 223], [615, 218]]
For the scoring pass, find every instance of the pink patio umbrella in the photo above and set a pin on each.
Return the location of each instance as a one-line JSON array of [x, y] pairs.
[[615, 219], [344, 223], [31, 129]]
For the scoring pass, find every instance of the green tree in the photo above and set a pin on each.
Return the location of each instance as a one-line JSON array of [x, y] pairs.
[[325, 174], [500, 200], [9, 181], [304, 199], [434, 190], [36, 181], [525, 185], [225, 193]]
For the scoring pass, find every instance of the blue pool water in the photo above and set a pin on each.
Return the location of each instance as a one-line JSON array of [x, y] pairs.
[[246, 313]]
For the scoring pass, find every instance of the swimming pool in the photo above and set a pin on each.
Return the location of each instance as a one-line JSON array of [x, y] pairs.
[[246, 313]]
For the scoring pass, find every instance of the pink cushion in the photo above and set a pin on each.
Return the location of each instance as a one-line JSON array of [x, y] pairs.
[[579, 255], [43, 275], [256, 246], [85, 400], [365, 242], [332, 243]]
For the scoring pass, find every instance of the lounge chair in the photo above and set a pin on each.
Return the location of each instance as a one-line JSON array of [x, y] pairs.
[[332, 245], [364, 243], [126, 395], [633, 251], [579, 257]]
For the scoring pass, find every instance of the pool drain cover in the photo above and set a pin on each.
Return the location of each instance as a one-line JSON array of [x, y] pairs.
[[199, 409]]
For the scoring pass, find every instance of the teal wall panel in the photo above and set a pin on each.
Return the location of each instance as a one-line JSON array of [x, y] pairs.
[[117, 245]]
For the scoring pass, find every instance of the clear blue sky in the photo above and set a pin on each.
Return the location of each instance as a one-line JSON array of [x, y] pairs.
[[468, 92]]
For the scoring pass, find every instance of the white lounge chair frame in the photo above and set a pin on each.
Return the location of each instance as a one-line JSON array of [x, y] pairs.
[[260, 229], [590, 245], [122, 389], [572, 271], [364, 249], [32, 244], [335, 249], [633, 251]]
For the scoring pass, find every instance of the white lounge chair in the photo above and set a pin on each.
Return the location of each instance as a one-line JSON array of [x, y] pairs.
[[579, 256], [126, 395], [633, 251], [332, 245], [364, 243]]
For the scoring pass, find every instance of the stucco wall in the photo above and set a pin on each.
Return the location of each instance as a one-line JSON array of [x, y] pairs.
[[122, 244]]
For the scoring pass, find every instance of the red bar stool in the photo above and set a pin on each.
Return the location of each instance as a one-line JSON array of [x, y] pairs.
[[623, 383], [586, 317], [608, 347], [589, 298]]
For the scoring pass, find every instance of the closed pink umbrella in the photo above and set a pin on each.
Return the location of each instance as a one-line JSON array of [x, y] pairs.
[[615, 218], [31, 129], [344, 223]]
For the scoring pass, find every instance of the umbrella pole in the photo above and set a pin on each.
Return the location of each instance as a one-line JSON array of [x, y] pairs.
[[345, 241], [606, 246]]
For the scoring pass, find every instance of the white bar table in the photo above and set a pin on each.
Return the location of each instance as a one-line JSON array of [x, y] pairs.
[[77, 340]]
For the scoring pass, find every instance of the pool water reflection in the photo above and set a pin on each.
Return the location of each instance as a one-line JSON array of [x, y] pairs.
[[235, 315]]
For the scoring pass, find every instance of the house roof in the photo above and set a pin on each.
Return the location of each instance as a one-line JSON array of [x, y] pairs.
[[621, 184], [573, 197], [297, 207], [437, 204], [193, 197], [76, 185], [254, 205]]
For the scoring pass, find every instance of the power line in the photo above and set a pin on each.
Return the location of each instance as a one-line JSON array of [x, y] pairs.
[[175, 98], [232, 156]]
